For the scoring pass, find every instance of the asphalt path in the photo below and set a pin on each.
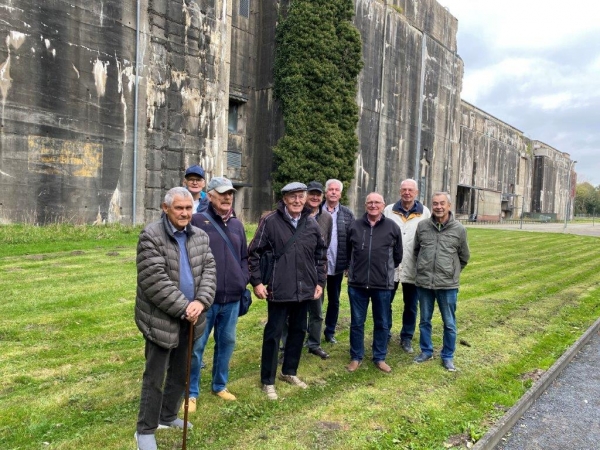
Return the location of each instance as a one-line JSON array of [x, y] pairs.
[[567, 414], [585, 229], [561, 411]]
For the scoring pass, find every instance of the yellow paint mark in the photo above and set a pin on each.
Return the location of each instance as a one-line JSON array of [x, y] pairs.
[[61, 157]]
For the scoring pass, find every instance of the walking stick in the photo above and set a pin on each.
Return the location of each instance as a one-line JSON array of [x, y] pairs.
[[187, 384]]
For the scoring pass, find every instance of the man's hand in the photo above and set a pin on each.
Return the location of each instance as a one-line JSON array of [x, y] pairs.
[[318, 292], [260, 291], [193, 311]]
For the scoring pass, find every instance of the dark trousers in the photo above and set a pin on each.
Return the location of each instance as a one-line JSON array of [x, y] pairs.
[[278, 313], [334, 288], [409, 314], [164, 368]]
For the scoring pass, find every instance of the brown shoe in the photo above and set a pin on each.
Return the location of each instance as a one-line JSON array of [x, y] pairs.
[[191, 405], [225, 395], [381, 365], [354, 364]]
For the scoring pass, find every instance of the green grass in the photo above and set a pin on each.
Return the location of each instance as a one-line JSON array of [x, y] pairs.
[[71, 358]]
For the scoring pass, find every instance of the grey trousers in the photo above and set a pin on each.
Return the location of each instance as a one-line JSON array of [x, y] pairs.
[[315, 323], [163, 383]]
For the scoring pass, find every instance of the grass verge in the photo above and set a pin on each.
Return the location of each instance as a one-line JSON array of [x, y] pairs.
[[71, 357]]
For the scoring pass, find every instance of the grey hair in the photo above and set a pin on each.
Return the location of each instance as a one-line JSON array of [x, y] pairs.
[[412, 181], [178, 191], [332, 181], [435, 194]]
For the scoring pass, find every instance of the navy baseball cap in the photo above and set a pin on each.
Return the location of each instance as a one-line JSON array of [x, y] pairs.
[[195, 170]]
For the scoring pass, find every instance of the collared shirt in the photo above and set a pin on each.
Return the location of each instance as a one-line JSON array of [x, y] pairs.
[[406, 213], [186, 278], [294, 221], [333, 245]]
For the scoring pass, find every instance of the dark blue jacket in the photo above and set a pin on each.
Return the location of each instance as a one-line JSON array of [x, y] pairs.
[[232, 277], [304, 265]]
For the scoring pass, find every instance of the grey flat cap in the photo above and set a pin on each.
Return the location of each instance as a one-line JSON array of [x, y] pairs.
[[293, 187], [220, 184]]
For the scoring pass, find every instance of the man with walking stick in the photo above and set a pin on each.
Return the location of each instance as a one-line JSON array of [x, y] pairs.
[[175, 286]]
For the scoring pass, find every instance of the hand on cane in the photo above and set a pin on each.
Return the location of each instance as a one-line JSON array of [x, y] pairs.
[[193, 311]]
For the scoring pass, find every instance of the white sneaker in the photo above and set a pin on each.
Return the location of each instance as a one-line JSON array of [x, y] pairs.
[[177, 423], [293, 380], [145, 441], [269, 389]]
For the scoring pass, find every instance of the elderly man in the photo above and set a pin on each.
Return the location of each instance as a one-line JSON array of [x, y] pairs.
[[315, 309], [175, 286], [232, 277], [195, 180], [297, 277], [407, 213], [375, 250], [337, 259], [442, 251]]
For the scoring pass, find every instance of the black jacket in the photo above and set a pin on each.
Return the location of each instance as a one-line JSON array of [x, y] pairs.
[[344, 221], [374, 253], [298, 271], [232, 275]]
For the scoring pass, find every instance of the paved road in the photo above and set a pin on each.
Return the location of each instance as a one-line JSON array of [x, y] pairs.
[[582, 229], [567, 415]]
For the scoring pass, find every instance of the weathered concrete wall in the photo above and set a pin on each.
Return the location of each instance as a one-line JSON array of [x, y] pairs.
[[409, 98], [494, 157], [253, 53], [186, 93], [554, 182], [66, 84]]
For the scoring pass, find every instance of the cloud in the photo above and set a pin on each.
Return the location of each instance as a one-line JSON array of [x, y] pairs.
[[535, 65]]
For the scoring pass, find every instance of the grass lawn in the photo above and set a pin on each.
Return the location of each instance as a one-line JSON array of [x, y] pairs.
[[71, 358]]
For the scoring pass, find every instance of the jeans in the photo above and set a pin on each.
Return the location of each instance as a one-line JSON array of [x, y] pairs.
[[277, 314], [446, 299], [164, 367], [359, 304], [223, 318], [334, 289], [409, 313]]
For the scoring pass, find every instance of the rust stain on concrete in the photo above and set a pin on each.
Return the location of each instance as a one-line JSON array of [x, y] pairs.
[[61, 157]]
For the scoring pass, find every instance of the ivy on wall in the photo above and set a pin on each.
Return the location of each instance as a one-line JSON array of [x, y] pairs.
[[317, 62]]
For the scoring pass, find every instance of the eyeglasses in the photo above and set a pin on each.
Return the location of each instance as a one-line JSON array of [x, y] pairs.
[[195, 180], [373, 203]]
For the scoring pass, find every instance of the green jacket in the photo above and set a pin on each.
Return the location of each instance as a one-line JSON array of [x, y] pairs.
[[441, 251]]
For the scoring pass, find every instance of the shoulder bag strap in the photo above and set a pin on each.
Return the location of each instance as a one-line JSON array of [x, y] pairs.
[[224, 236], [291, 240]]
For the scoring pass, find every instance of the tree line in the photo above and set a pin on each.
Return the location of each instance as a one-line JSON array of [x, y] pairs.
[[587, 199]]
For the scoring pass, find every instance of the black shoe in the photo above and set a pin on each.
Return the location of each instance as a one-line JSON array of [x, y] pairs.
[[422, 358], [319, 352], [406, 346], [331, 339]]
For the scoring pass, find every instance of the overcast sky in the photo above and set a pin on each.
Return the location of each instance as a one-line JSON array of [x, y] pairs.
[[535, 64]]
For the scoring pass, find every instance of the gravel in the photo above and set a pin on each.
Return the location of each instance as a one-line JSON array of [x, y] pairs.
[[567, 414]]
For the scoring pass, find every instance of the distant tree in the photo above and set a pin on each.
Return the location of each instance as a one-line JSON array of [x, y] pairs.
[[318, 57], [587, 198]]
